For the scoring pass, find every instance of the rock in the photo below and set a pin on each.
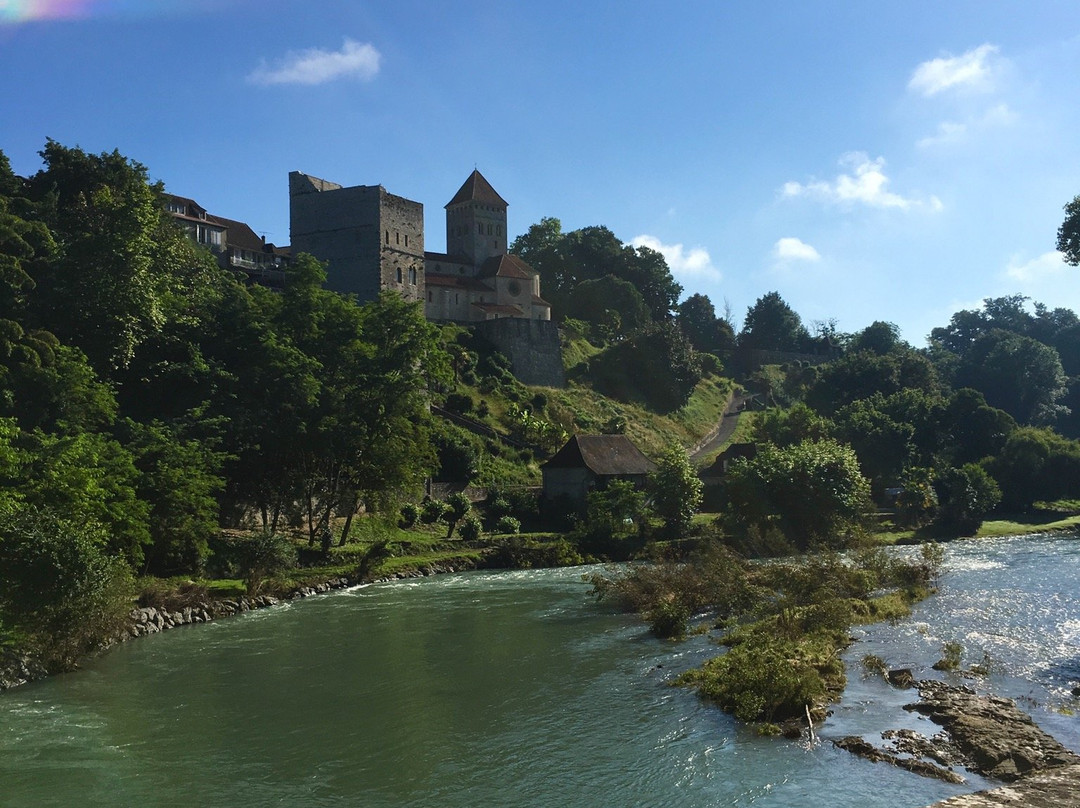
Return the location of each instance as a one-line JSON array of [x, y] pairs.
[[997, 738], [865, 749]]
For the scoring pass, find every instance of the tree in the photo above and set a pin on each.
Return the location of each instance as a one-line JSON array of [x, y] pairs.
[[566, 260], [458, 506], [860, 375], [782, 427], [965, 495], [879, 338], [179, 478], [1016, 373], [612, 304], [676, 490], [58, 582], [1068, 235], [706, 332], [772, 325], [101, 293], [813, 491]]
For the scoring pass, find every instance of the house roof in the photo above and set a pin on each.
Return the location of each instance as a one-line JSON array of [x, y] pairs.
[[240, 234], [603, 455], [446, 258], [506, 266], [477, 189], [500, 308], [456, 282]]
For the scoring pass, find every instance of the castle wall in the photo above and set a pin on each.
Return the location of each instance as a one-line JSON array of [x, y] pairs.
[[368, 238], [532, 346]]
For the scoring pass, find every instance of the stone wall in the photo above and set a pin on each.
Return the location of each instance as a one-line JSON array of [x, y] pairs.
[[370, 239], [532, 346]]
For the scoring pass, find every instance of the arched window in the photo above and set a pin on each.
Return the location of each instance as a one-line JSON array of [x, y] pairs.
[[412, 276], [399, 277]]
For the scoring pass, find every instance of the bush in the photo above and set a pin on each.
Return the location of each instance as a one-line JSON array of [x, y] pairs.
[[507, 524], [768, 679], [951, 653], [668, 619], [471, 528], [265, 555], [410, 514], [432, 511], [57, 583], [459, 403]]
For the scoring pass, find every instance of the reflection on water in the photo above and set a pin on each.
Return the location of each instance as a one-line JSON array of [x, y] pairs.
[[504, 689]]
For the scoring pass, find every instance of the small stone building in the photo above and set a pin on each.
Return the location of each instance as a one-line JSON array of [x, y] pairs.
[[588, 462]]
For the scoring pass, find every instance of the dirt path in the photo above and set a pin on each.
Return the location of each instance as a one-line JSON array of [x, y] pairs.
[[723, 431]]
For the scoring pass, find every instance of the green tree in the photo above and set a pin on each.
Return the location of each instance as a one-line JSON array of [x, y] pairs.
[[58, 582], [1016, 373], [179, 478], [1068, 235], [787, 427], [813, 491], [772, 325], [101, 293], [89, 476], [676, 490], [458, 506], [965, 495], [706, 332], [879, 337]]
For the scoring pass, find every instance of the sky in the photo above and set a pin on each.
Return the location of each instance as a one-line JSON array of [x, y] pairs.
[[867, 160]]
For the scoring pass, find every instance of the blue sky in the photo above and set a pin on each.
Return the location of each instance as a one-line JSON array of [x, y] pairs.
[[868, 160]]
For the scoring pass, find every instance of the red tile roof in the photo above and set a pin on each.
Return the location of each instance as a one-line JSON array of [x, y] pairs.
[[456, 282], [477, 189], [506, 266], [500, 308]]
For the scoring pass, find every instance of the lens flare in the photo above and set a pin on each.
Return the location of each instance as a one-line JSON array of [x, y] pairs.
[[17, 11]]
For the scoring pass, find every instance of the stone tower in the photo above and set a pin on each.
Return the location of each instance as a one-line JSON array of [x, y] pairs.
[[370, 239], [476, 221]]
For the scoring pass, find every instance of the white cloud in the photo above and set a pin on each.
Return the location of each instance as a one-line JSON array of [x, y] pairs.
[[1046, 266], [694, 263], [316, 66], [865, 184], [951, 132], [795, 249], [947, 132], [971, 70]]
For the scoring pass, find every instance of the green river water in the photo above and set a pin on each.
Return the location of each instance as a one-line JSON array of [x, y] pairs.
[[475, 689]]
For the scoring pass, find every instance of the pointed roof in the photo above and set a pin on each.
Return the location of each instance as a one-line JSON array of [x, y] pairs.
[[603, 455], [477, 189], [506, 266]]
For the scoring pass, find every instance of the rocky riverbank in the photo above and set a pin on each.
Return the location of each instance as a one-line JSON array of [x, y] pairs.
[[984, 734], [19, 668]]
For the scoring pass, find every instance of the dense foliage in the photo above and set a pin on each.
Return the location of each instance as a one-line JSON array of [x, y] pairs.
[[147, 395]]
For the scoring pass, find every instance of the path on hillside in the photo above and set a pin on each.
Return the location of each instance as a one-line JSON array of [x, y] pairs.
[[723, 430]]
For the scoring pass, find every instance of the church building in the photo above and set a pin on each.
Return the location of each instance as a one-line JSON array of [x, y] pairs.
[[374, 240]]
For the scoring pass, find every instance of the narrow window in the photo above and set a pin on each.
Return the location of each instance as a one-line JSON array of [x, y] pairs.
[[387, 236], [399, 279], [397, 238], [406, 239], [479, 229], [412, 276]]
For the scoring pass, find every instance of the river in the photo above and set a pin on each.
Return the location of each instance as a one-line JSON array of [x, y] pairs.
[[508, 689]]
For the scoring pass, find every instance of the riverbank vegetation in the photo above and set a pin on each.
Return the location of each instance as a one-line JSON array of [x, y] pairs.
[[784, 623]]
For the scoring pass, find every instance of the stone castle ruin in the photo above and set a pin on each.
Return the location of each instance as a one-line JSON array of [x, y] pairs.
[[372, 240]]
